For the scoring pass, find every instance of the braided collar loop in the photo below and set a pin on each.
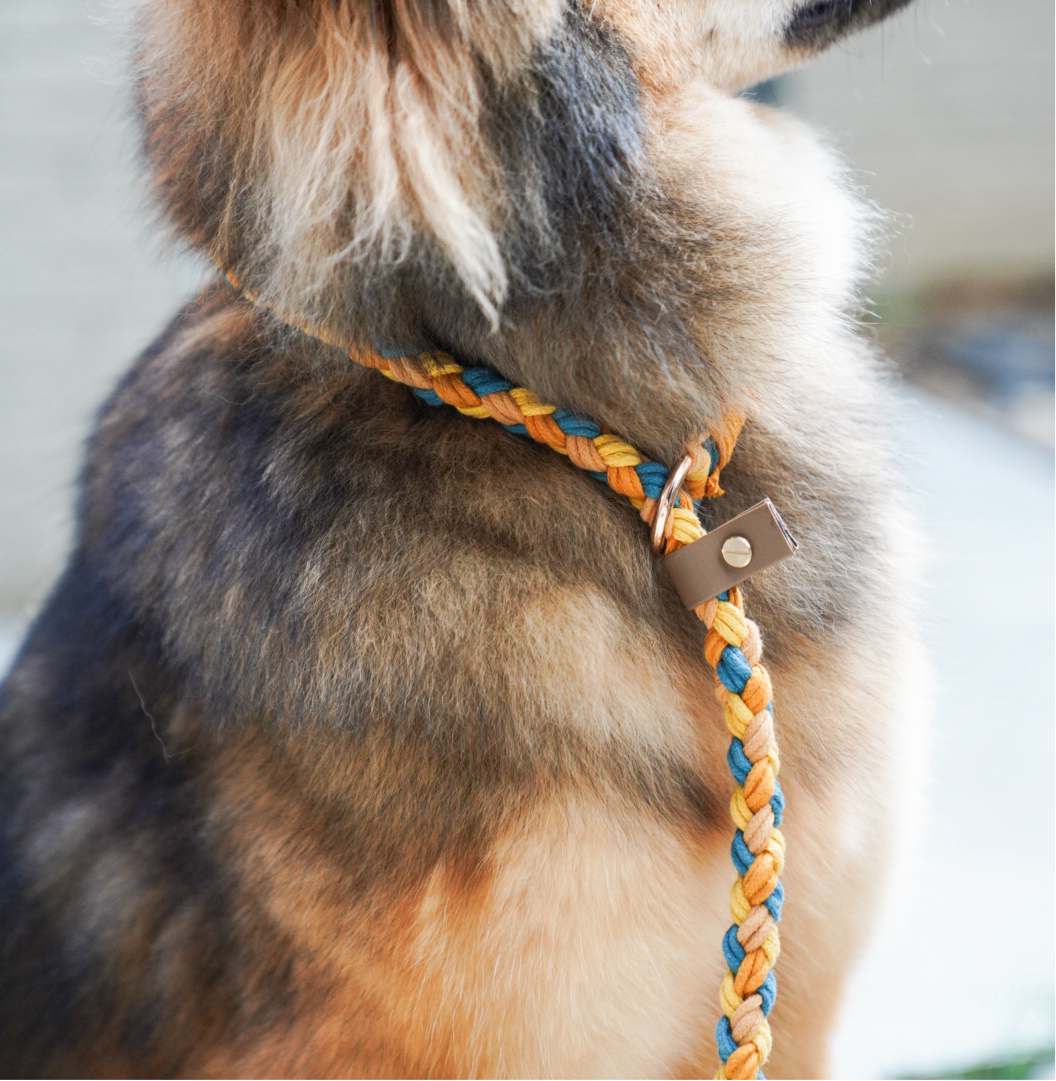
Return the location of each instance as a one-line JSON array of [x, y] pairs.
[[732, 646]]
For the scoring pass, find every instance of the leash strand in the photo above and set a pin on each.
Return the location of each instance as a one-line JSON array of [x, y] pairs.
[[732, 646]]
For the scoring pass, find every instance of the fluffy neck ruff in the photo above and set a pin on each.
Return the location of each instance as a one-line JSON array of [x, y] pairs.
[[511, 191]]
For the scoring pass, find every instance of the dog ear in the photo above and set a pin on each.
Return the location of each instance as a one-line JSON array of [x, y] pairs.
[[335, 153]]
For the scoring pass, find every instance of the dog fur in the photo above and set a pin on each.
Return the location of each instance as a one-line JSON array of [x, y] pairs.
[[362, 739]]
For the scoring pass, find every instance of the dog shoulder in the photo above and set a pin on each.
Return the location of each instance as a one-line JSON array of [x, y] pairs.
[[349, 649]]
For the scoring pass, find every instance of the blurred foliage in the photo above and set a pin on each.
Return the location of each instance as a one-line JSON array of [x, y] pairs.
[[1026, 1065]]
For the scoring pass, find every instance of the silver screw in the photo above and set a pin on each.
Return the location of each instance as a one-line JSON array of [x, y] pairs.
[[737, 551]]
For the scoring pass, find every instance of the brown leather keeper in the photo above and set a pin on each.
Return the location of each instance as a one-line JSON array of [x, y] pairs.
[[699, 570]]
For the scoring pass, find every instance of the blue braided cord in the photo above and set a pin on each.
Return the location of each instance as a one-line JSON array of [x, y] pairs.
[[738, 761], [733, 669], [777, 803], [775, 900], [485, 381], [713, 452], [390, 352], [732, 949], [741, 854], [768, 992], [740, 767], [735, 955], [573, 424], [430, 397], [653, 477], [724, 1038]]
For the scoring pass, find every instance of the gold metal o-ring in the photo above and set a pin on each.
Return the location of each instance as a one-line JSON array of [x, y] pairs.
[[667, 500]]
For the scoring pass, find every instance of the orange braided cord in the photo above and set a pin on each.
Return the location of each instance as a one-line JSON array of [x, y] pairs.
[[732, 647], [751, 945]]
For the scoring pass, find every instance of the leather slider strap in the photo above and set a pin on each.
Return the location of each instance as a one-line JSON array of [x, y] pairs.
[[730, 553]]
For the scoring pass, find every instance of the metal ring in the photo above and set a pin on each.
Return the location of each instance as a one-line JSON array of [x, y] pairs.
[[667, 501]]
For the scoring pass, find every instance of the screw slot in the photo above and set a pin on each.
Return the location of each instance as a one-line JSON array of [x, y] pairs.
[[737, 551]]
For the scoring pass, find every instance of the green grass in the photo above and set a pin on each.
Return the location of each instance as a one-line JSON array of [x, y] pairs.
[[1018, 1066]]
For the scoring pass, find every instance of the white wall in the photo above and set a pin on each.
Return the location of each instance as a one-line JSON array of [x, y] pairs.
[[83, 286], [947, 111]]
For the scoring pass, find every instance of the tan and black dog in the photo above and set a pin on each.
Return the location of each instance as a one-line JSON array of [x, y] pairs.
[[364, 739]]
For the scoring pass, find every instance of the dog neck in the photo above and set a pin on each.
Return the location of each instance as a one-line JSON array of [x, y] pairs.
[[637, 254]]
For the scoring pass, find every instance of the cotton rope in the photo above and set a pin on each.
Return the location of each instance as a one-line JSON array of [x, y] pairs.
[[732, 646]]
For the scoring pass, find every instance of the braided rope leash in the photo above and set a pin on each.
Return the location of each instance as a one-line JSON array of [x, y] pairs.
[[732, 646]]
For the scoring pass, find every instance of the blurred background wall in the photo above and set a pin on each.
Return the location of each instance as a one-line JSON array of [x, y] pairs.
[[947, 112], [83, 282]]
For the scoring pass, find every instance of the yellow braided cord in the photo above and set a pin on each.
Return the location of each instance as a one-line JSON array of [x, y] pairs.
[[732, 646]]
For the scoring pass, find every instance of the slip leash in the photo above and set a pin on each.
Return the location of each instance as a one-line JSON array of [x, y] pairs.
[[707, 569]]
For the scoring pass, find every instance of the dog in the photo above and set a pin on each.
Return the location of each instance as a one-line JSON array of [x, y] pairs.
[[360, 738]]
